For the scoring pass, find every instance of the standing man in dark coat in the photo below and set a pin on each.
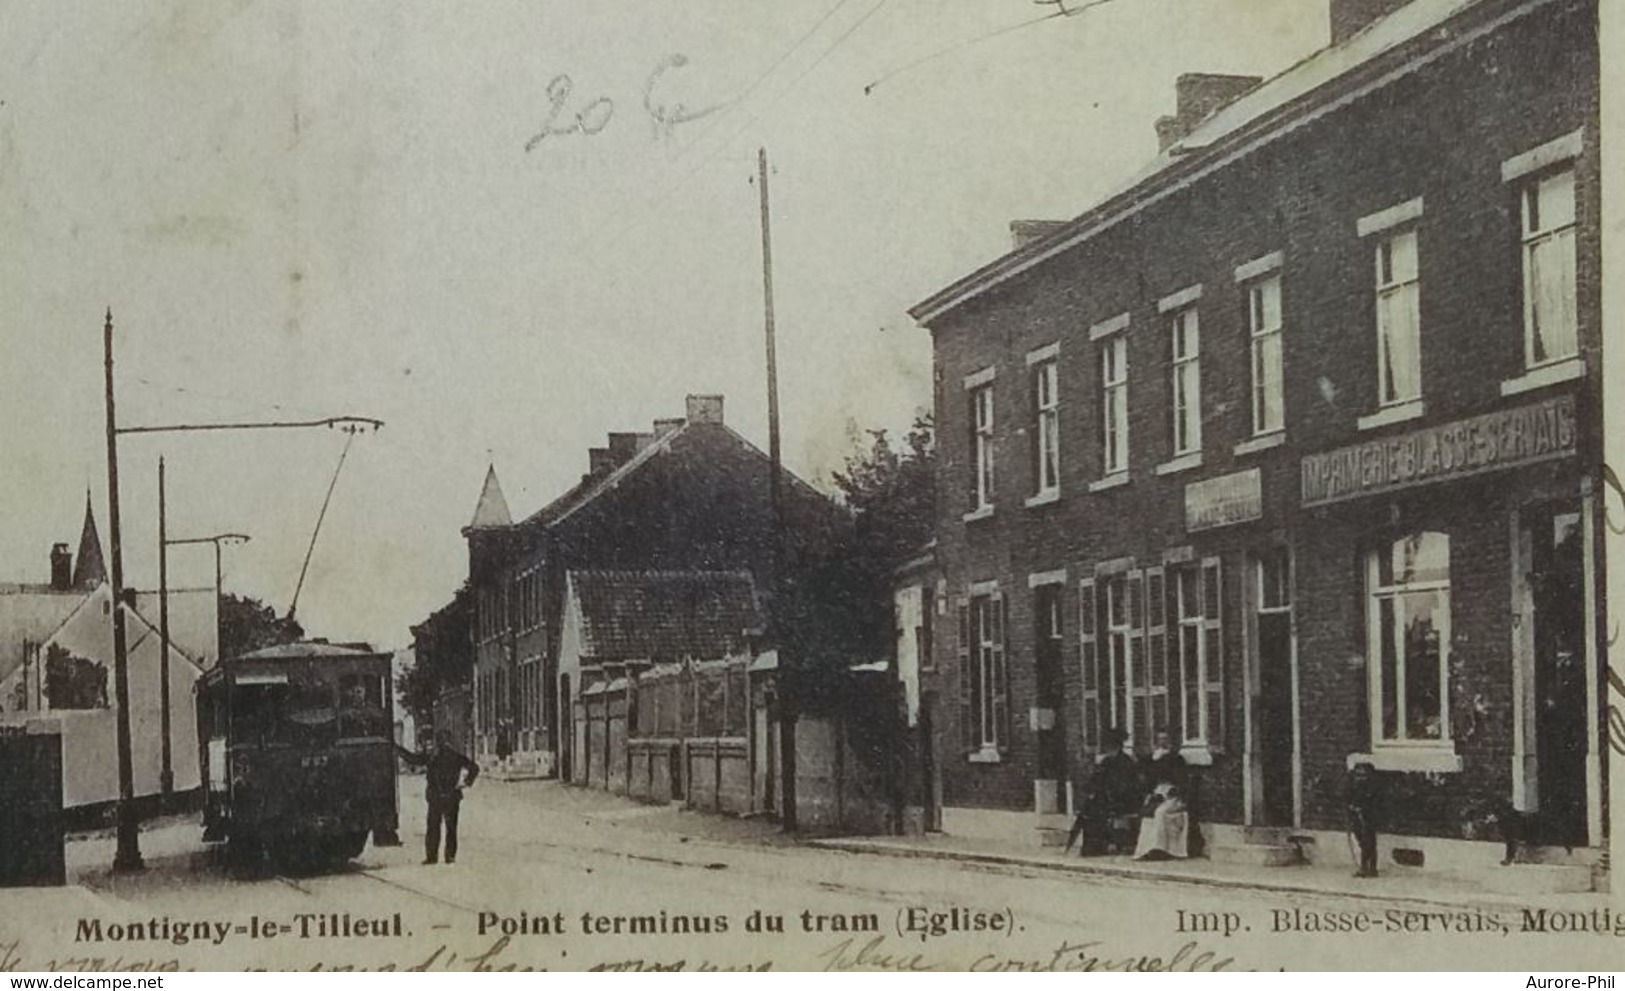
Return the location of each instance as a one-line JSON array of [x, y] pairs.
[[444, 782]]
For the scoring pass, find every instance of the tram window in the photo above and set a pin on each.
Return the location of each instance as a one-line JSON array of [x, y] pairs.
[[296, 714], [361, 697]]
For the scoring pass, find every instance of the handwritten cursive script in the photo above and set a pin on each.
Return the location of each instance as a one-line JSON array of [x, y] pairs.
[[567, 117]]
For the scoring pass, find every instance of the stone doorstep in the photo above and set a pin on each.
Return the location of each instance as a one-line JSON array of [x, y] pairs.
[[1257, 854]]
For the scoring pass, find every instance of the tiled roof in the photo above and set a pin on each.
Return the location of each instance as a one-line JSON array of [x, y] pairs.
[[663, 615]]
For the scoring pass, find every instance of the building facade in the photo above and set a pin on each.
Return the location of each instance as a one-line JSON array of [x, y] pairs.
[[1288, 450], [692, 494]]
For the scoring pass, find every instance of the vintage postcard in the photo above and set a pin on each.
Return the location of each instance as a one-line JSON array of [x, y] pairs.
[[841, 485]]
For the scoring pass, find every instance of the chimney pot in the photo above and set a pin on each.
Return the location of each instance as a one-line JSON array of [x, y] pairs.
[[61, 567], [1198, 96], [705, 409]]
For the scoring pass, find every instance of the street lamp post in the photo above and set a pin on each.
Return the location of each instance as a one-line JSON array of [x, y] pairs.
[[128, 854], [219, 593]]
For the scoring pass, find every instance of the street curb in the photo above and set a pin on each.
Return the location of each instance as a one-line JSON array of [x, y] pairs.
[[1484, 899]]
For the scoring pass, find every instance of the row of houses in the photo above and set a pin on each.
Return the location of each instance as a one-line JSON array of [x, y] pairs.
[[56, 663], [619, 636], [1289, 450], [1286, 452]]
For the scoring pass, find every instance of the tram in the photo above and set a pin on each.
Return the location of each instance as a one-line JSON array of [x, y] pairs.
[[298, 753]]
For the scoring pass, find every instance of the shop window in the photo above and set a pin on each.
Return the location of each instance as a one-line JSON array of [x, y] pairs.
[[1408, 640], [1550, 316], [984, 686], [1122, 648], [1195, 597]]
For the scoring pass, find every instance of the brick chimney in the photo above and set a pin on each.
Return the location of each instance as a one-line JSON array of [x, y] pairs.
[[599, 461], [1025, 232], [61, 568], [666, 426], [623, 447], [1198, 96], [1350, 17], [705, 409]]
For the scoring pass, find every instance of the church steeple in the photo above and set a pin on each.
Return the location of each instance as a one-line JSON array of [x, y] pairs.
[[89, 568], [492, 509]]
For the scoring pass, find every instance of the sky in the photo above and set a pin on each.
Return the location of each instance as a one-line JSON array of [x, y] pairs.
[[506, 229]]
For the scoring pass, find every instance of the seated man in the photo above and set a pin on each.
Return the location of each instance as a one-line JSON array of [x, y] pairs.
[[1105, 818]]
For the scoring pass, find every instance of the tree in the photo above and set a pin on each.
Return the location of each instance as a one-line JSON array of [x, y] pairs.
[[893, 495], [443, 657], [838, 606], [73, 682], [247, 624]]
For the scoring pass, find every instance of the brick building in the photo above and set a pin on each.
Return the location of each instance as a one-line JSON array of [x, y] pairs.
[[691, 495], [1286, 449]]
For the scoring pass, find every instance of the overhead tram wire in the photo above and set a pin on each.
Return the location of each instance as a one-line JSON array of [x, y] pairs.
[[667, 190], [1063, 11], [712, 128], [751, 87]]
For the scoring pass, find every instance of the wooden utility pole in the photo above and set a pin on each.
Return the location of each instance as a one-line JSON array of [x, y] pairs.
[[166, 774], [128, 854], [787, 686]]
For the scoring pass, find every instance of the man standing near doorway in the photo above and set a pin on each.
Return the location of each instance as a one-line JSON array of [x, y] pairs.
[[444, 782]]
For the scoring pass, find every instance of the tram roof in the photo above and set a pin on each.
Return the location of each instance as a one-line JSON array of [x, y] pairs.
[[304, 648]]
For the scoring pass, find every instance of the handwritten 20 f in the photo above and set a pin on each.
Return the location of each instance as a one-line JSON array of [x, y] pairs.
[[567, 115]]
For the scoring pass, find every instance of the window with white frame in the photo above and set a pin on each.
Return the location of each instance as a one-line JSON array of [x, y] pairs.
[[1399, 319], [1186, 382], [1122, 634], [981, 411], [984, 687], [1114, 404], [1408, 640], [1046, 428], [1264, 330], [1199, 650], [1550, 314]]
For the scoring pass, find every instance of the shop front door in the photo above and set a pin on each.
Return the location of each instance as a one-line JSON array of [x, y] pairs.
[[1275, 716], [1557, 595]]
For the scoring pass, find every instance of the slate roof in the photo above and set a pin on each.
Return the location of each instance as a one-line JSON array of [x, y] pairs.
[[663, 615], [89, 568]]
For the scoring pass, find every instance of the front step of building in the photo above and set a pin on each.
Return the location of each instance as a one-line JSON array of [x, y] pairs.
[[1254, 846]]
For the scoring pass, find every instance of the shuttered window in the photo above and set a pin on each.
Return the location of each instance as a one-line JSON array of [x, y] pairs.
[[984, 677], [1196, 596], [1089, 660]]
